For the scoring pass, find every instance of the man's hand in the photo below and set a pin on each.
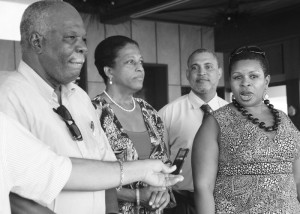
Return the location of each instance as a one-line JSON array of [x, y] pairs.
[[158, 174]]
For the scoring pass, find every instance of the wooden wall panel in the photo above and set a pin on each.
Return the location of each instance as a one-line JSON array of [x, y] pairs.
[[221, 62], [168, 51], [190, 40], [144, 33], [7, 53], [95, 88], [95, 34], [174, 92], [18, 53], [208, 38], [120, 29]]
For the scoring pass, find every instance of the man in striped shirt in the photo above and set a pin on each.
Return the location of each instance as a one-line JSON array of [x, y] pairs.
[[32, 170]]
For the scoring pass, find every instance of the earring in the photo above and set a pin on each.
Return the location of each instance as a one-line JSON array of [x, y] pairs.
[[265, 95], [110, 80], [232, 97]]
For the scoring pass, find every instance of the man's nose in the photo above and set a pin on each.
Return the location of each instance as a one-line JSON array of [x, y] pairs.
[[201, 71], [82, 48]]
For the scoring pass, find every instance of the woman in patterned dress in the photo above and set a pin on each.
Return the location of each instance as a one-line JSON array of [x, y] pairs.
[[132, 126], [246, 156]]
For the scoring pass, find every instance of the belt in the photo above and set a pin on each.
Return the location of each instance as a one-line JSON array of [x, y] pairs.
[[256, 168]]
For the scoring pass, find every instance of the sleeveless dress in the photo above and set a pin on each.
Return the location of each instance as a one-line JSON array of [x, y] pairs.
[[255, 172]]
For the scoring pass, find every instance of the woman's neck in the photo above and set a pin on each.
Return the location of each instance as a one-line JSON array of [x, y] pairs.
[[119, 97], [257, 109]]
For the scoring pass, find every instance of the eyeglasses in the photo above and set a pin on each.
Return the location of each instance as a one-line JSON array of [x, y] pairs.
[[250, 49], [64, 113]]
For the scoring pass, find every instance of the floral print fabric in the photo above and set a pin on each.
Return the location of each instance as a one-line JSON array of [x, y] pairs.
[[255, 172], [123, 146]]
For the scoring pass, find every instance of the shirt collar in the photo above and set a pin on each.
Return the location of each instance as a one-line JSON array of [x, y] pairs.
[[41, 85], [196, 101]]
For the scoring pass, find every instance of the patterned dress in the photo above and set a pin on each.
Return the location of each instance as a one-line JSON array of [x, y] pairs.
[[124, 148], [255, 172]]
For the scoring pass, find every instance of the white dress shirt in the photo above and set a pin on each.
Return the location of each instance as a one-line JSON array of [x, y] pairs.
[[25, 96], [182, 119], [27, 166]]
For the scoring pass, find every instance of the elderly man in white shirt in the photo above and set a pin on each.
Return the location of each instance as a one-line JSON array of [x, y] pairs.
[[183, 117], [41, 95], [29, 168]]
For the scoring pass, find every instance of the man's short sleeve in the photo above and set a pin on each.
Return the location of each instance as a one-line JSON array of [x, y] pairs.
[[33, 170]]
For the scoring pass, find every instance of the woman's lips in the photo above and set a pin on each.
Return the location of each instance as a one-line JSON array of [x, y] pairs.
[[246, 95]]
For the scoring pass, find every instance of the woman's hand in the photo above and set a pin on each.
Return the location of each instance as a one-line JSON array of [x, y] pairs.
[[160, 199], [154, 197]]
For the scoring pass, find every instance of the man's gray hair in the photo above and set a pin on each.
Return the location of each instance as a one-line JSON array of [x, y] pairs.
[[34, 19], [202, 50]]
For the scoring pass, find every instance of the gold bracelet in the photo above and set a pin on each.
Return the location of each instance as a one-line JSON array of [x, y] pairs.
[[121, 175]]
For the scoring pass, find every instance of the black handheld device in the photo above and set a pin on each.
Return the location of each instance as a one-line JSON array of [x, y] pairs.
[[182, 153]]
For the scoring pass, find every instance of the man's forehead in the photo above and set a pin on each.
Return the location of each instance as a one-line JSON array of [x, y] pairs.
[[67, 22], [204, 57]]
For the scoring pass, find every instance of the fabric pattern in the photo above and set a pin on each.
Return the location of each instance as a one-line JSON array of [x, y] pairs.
[[123, 146], [255, 172]]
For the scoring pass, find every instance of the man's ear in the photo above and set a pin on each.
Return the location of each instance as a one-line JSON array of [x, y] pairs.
[[220, 72], [35, 41], [187, 73]]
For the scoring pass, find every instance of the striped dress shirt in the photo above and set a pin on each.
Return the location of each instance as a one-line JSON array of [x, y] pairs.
[[28, 167]]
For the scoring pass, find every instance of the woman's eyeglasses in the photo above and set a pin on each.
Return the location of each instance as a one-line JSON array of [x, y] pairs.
[[250, 49], [64, 113]]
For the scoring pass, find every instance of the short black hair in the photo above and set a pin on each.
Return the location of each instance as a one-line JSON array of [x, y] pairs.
[[247, 54], [107, 51], [202, 50]]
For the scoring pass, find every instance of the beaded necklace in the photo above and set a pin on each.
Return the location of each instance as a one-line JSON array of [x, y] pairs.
[[127, 110], [254, 120]]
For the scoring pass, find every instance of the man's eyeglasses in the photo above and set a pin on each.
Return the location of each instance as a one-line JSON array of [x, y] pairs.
[[250, 49], [64, 113]]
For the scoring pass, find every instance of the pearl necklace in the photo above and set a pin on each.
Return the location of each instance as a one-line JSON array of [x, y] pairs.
[[111, 99], [254, 120]]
